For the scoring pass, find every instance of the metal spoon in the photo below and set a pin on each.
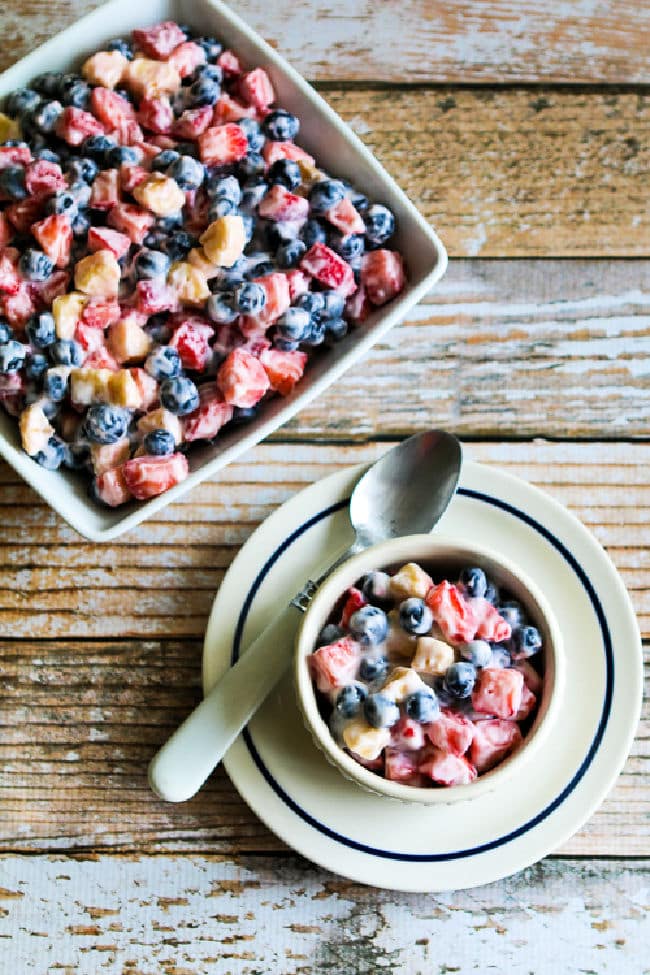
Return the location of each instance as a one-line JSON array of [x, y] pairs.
[[404, 493]]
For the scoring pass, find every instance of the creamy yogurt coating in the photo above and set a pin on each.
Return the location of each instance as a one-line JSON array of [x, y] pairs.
[[425, 683]]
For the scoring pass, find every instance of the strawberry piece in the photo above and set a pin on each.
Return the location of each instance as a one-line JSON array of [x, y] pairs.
[[160, 40], [273, 151], [100, 312], [532, 680], [54, 234], [210, 415], [284, 369], [491, 626], [23, 213], [156, 114], [256, 89], [329, 268], [452, 612], [408, 734], [346, 218], [193, 122], [90, 339], [227, 338], [493, 740], [74, 125], [105, 193], [110, 107], [278, 299], [354, 600], [298, 284], [17, 307], [400, 766], [335, 665], [152, 147], [153, 297], [43, 178], [382, 274], [147, 387], [103, 238], [10, 280], [46, 291], [15, 156], [6, 231], [127, 132], [374, 764], [498, 691], [191, 338], [101, 358], [111, 487], [527, 706], [280, 204], [186, 58], [450, 732], [146, 476], [447, 769], [229, 64], [242, 379], [132, 221], [228, 109], [131, 176], [222, 145], [358, 307]]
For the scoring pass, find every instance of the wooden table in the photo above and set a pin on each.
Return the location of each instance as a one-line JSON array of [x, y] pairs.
[[522, 131]]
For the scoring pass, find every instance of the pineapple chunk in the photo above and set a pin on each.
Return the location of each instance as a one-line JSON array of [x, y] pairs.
[[67, 310], [105, 457], [161, 194], [105, 68], [365, 741], [35, 429], [128, 341], [161, 419], [410, 580], [123, 390], [224, 240], [189, 283], [402, 682], [9, 128], [151, 78], [432, 656], [98, 274]]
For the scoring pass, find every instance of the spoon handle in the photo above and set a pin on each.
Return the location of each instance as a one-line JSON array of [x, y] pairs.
[[183, 764]]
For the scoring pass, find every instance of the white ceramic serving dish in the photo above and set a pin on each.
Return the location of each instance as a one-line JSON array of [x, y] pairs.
[[335, 147], [438, 555]]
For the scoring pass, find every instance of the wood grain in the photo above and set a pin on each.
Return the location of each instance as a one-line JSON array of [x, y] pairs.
[[190, 916], [416, 40]]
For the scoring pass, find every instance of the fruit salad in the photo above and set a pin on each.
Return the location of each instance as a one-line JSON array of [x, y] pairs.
[[428, 683], [170, 257]]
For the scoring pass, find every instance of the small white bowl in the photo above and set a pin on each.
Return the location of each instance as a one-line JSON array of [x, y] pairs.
[[334, 146], [438, 556]]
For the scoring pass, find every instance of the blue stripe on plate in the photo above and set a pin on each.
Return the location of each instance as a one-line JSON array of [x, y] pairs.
[[514, 834]]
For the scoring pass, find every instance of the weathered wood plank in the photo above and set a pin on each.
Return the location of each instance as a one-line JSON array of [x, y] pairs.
[[185, 916], [159, 579], [411, 40]]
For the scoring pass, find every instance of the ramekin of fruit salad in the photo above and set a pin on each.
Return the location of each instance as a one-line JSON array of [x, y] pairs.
[[427, 670]]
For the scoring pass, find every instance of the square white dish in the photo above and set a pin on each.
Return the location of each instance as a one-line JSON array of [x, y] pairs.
[[334, 146]]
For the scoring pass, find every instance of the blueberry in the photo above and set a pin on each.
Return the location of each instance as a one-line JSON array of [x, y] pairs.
[[47, 155], [74, 91], [325, 194], [254, 134], [63, 201], [163, 363], [373, 669], [252, 197], [512, 613], [369, 625], [205, 91], [55, 383], [460, 679], [121, 45], [252, 165], [285, 172], [76, 456], [283, 345], [335, 329], [250, 298], [422, 706], [243, 414], [221, 308], [41, 331], [172, 224], [527, 641], [358, 200], [260, 269], [151, 264], [159, 443], [473, 581], [415, 616], [81, 223], [35, 366], [66, 352], [203, 71], [52, 454], [329, 634], [45, 117], [159, 329], [289, 254], [156, 239], [21, 101], [81, 192], [333, 304], [96, 147], [179, 244], [12, 356], [12, 182], [376, 587], [276, 234], [478, 652], [380, 224], [294, 324], [81, 168], [350, 248], [35, 265], [219, 187], [500, 656], [123, 156], [179, 395], [49, 83], [380, 712], [249, 226], [6, 331], [316, 334], [349, 700], [164, 160], [313, 232], [189, 173], [220, 208], [281, 126], [106, 424], [313, 302], [211, 46], [445, 699]]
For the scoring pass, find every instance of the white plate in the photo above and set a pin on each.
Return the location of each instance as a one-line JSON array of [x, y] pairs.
[[335, 147], [290, 785]]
